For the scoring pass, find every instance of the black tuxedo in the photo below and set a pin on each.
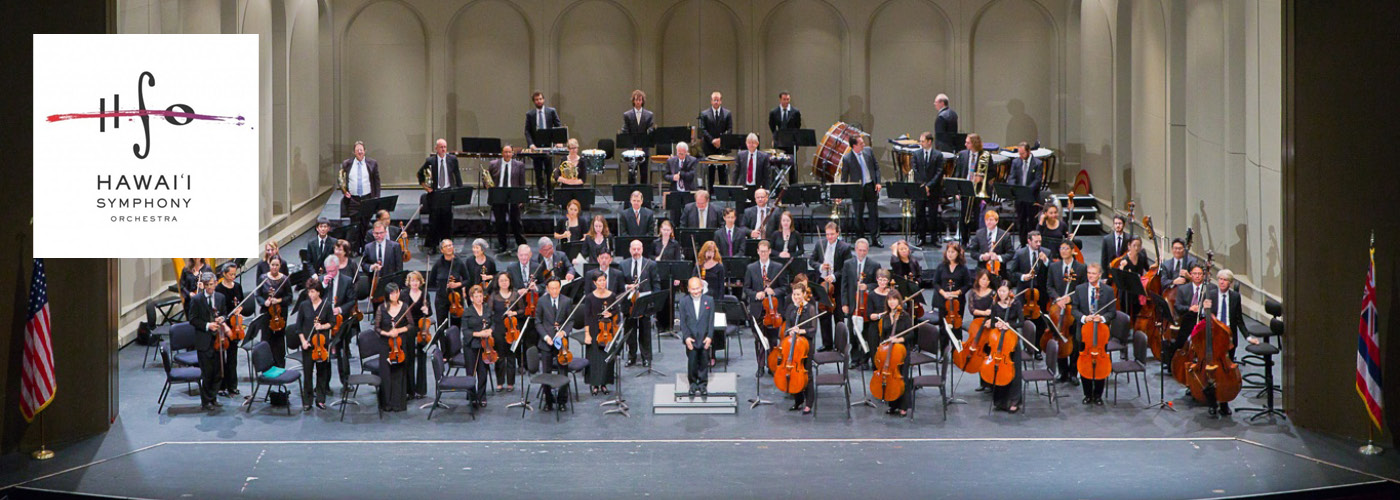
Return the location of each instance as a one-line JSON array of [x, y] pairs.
[[1022, 262], [541, 163], [615, 281], [690, 217], [1171, 269], [632, 222], [982, 241], [1113, 246], [945, 126], [546, 316], [508, 213], [686, 169], [393, 258], [1055, 281], [316, 253], [713, 125], [770, 221], [203, 309], [777, 121], [851, 172], [1234, 315], [763, 176], [559, 267], [731, 242], [630, 123], [1027, 173], [753, 284], [928, 171], [640, 327], [439, 221], [697, 325]]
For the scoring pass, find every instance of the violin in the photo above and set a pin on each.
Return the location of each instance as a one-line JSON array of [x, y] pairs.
[[454, 300], [887, 382], [403, 234], [772, 318], [221, 337], [1078, 254], [319, 351], [861, 310], [277, 321], [1094, 361], [512, 323], [565, 356], [994, 266], [396, 354], [998, 369], [425, 325], [488, 347]]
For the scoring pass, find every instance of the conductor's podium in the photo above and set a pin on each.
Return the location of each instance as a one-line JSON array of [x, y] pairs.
[[673, 399]]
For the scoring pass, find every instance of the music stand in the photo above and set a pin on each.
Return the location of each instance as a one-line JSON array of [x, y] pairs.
[[625, 244], [548, 137], [735, 267], [480, 147], [739, 195], [1019, 194], [675, 204], [585, 196], [648, 304], [692, 238], [964, 189], [802, 195], [669, 272], [1164, 311], [445, 199], [572, 289], [910, 192], [667, 137], [845, 191], [507, 195], [635, 141], [622, 193], [751, 249]]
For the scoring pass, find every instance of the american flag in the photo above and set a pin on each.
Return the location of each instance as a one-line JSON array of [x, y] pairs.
[[38, 384], [1368, 370]]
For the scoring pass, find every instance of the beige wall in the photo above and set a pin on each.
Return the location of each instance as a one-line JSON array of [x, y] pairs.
[[1172, 103]]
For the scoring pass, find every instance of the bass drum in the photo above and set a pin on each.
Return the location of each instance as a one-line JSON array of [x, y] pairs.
[[826, 164]]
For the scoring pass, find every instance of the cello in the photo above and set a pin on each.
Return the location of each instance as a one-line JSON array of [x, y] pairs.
[[973, 353], [788, 359], [1061, 321], [1094, 361], [887, 381], [999, 369]]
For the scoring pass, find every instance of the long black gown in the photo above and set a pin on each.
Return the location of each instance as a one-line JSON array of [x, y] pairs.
[[1006, 396], [393, 381], [600, 371]]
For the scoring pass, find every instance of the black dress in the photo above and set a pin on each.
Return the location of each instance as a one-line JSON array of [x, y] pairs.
[[887, 328], [591, 248], [905, 278], [276, 339], [793, 243], [1050, 238], [416, 365], [600, 371], [575, 232], [1006, 396], [1128, 302], [667, 250], [393, 381], [232, 297], [957, 280], [663, 251], [506, 365], [476, 269], [472, 322], [715, 277]]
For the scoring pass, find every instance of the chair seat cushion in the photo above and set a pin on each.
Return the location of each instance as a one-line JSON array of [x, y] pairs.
[[1258, 329], [459, 360], [550, 379], [920, 357], [926, 381], [186, 374], [457, 383], [1037, 375], [187, 358], [1262, 349], [825, 357], [1113, 345], [829, 379], [372, 366], [578, 364], [286, 377], [363, 379], [1129, 365]]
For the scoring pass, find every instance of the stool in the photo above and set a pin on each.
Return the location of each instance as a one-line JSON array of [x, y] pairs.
[[1266, 352]]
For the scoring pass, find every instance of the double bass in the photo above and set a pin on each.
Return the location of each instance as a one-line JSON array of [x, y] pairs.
[[1182, 356], [1069, 211], [1208, 366], [1147, 320]]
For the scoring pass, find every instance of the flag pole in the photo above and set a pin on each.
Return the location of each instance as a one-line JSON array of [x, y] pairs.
[[1371, 449], [42, 453]]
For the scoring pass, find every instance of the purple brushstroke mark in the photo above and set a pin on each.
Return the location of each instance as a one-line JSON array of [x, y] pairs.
[[150, 112]]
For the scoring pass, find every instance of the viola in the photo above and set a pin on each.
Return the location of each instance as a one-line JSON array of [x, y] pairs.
[[396, 354], [565, 355], [973, 353], [278, 321], [319, 351], [488, 348], [403, 234], [952, 312], [512, 324], [995, 266], [998, 369], [607, 329], [1060, 323], [221, 340], [425, 325]]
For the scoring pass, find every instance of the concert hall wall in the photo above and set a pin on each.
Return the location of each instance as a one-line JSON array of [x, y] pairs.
[[1170, 103]]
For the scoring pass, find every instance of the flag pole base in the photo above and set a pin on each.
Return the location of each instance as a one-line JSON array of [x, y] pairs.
[[1370, 449], [43, 454]]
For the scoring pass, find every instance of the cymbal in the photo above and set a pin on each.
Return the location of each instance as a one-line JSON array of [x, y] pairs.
[[718, 158], [660, 158], [905, 142]]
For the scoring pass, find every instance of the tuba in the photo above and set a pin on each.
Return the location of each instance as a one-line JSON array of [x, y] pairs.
[[567, 170]]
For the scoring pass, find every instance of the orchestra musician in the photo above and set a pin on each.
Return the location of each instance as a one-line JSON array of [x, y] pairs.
[[1189, 308], [319, 247], [271, 251], [605, 266], [502, 305], [1115, 243], [859, 165], [801, 309], [907, 273], [570, 228], [480, 267], [525, 271], [204, 307], [760, 218], [1224, 303], [233, 304], [712, 270], [828, 255], [1176, 271], [951, 279], [382, 216], [700, 214], [638, 121], [680, 168], [448, 274], [635, 220], [573, 158], [876, 308], [441, 169], [382, 255], [1007, 314], [979, 300], [1064, 278], [556, 264], [314, 316], [476, 327], [550, 313], [416, 363], [340, 290], [945, 126], [965, 167], [857, 276], [1025, 171], [784, 237], [990, 243], [666, 247], [928, 172], [1031, 256], [785, 117], [1135, 262], [540, 117], [189, 279], [731, 238], [1090, 303], [600, 371], [271, 292], [507, 172], [764, 280], [893, 319], [598, 239], [360, 182], [641, 279], [752, 168], [391, 321], [697, 320], [715, 121], [1052, 227]]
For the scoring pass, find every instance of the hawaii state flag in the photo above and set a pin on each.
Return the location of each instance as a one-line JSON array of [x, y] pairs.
[[1368, 369]]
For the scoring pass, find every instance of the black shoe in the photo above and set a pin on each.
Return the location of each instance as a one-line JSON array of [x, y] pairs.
[[1210, 411], [1225, 409], [306, 408], [647, 363], [321, 405], [206, 407], [982, 389], [1073, 381], [549, 407], [631, 362], [704, 390], [216, 403], [795, 407], [1098, 401], [692, 391], [1039, 356], [1086, 400], [759, 372], [223, 394], [234, 392]]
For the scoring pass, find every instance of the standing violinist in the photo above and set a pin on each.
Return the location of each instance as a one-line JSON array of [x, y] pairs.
[[416, 365], [233, 304], [697, 319], [550, 314], [1007, 316], [765, 284], [504, 305], [641, 277], [391, 321], [476, 328], [891, 322], [1091, 304], [448, 275], [480, 267], [595, 313], [801, 310], [340, 291], [857, 276], [991, 244], [272, 292], [313, 318], [204, 306], [1031, 257]]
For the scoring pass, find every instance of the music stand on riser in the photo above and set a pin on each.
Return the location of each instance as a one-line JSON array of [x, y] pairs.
[[648, 305]]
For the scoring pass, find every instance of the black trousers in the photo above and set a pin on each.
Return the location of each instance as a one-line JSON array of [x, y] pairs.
[[342, 353], [208, 375], [542, 170], [508, 214], [228, 379], [439, 222], [827, 325], [481, 372], [549, 363], [639, 333], [418, 370], [316, 380], [697, 364], [1025, 219], [1093, 389], [928, 217], [277, 341], [869, 229], [721, 170]]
